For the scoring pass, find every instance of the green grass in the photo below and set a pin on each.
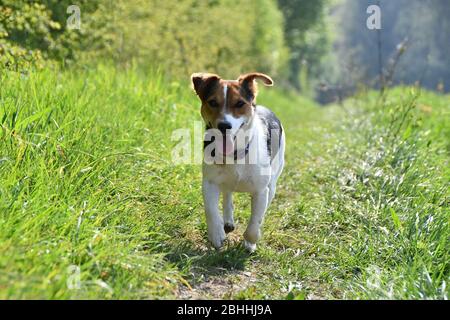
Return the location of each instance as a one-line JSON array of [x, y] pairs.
[[86, 179]]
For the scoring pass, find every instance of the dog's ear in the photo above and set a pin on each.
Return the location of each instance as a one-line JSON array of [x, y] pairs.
[[203, 83], [248, 83]]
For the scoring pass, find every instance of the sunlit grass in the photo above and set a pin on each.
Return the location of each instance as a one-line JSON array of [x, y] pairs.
[[86, 180]]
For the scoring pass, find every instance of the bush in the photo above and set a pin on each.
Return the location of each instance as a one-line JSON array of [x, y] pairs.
[[178, 37], [25, 34], [227, 37]]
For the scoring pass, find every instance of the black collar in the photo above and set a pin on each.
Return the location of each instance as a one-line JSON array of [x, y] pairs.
[[245, 152], [213, 153]]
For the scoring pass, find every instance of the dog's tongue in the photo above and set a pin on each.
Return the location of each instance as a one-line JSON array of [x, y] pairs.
[[226, 145]]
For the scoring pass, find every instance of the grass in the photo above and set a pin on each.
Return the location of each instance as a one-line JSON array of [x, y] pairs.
[[87, 185]]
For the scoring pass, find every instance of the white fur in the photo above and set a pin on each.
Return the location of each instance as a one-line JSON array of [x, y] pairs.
[[259, 179], [236, 123], [225, 93]]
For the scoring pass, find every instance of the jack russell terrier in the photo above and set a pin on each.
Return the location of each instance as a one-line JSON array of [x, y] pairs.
[[243, 152]]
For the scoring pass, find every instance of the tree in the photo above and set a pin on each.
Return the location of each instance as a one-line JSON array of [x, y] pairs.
[[300, 17], [426, 25], [178, 37]]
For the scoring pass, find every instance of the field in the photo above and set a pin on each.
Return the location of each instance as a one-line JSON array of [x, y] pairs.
[[91, 205]]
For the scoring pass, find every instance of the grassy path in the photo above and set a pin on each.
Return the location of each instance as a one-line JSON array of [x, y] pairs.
[[277, 268], [91, 205]]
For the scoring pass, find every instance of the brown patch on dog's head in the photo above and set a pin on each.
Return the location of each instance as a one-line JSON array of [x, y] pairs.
[[238, 102], [249, 85], [205, 84], [210, 89]]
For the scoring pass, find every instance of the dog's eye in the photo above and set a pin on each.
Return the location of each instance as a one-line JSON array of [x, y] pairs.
[[240, 104], [213, 103]]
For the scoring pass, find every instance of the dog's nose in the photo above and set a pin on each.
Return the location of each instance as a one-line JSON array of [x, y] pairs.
[[224, 126]]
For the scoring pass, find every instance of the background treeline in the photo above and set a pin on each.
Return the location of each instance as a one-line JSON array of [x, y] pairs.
[[316, 47], [223, 36], [421, 26]]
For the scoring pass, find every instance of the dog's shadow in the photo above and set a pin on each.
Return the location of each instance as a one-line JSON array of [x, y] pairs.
[[200, 262]]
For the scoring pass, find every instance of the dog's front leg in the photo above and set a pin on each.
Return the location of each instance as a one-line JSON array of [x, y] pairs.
[[228, 212], [211, 195], [259, 207]]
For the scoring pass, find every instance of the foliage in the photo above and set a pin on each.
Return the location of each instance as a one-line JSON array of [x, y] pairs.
[[424, 23], [305, 36], [86, 178], [179, 37], [25, 34], [226, 37], [268, 45]]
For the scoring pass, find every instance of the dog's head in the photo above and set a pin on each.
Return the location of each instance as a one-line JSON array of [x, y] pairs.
[[228, 105]]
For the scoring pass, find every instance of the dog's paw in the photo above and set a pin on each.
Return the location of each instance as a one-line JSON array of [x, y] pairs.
[[217, 239], [228, 227], [250, 247]]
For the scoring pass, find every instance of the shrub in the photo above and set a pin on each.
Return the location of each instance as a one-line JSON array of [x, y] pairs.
[[25, 34], [178, 37]]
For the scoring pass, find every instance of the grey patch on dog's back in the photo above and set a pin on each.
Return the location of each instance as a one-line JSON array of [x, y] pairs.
[[274, 130]]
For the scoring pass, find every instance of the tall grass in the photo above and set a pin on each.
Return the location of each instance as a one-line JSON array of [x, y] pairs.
[[391, 189], [86, 181]]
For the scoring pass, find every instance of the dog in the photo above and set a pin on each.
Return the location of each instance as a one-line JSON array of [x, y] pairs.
[[244, 148]]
